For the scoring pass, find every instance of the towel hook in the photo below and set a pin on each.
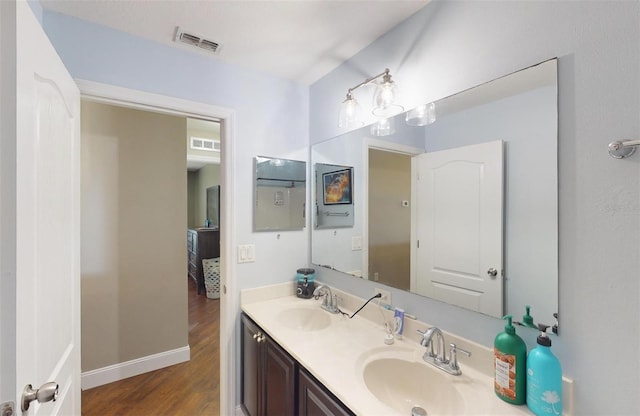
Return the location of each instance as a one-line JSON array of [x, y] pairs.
[[621, 149]]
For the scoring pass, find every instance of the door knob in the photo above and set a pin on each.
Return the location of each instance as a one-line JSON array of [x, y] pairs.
[[46, 393], [492, 272]]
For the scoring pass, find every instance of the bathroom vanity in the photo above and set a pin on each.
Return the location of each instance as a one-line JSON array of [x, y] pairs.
[[300, 359], [273, 381]]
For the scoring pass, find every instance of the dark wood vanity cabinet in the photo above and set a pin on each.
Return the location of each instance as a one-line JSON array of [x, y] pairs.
[[252, 380], [201, 244], [268, 374], [315, 400], [279, 380], [274, 384]]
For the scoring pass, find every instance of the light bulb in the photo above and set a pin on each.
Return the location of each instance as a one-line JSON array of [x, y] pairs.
[[422, 115], [350, 113], [383, 127], [385, 97]]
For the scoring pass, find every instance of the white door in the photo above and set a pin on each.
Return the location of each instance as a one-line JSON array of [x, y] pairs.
[[47, 221], [457, 255]]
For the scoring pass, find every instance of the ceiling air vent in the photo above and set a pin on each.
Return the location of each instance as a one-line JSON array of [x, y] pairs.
[[195, 40], [199, 143]]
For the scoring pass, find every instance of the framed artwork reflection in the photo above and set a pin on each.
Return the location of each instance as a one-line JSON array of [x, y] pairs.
[[337, 187]]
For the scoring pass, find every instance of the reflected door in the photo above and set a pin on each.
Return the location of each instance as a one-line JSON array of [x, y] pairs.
[[458, 210]]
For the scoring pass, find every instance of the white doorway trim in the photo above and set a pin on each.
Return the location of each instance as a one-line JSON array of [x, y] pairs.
[[125, 97]]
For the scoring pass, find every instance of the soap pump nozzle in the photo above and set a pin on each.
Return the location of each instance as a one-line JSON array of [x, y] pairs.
[[543, 339], [509, 328]]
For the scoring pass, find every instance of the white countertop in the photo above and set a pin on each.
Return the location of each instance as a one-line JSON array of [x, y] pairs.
[[336, 354]]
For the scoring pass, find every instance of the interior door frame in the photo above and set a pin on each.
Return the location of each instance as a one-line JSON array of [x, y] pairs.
[[141, 100]]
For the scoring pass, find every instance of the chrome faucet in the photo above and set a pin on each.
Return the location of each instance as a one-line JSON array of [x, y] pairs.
[[427, 341], [438, 357], [329, 301]]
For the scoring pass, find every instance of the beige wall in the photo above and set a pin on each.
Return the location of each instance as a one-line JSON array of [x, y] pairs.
[[134, 220], [389, 250], [199, 181]]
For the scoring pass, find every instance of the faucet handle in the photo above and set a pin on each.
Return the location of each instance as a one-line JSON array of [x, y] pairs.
[[423, 340], [334, 302], [427, 341], [453, 357]]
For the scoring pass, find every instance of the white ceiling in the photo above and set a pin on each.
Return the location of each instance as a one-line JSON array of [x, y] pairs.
[[301, 40]]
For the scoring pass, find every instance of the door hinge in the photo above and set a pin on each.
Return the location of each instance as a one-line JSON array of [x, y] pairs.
[[7, 409], [417, 243]]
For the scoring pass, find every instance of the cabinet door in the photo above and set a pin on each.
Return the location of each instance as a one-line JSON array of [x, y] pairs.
[[279, 378], [251, 374], [314, 400]]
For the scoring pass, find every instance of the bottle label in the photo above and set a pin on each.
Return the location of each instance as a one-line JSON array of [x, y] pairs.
[[505, 380], [542, 399]]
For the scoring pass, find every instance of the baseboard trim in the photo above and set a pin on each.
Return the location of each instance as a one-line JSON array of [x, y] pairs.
[[120, 371]]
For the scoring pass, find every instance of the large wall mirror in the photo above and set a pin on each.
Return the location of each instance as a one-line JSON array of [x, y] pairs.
[[280, 194], [459, 201]]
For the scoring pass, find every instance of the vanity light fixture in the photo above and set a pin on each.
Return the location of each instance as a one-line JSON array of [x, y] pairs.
[[384, 101], [422, 115]]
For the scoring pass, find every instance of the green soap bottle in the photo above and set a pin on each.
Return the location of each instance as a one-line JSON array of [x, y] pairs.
[[510, 360], [527, 319]]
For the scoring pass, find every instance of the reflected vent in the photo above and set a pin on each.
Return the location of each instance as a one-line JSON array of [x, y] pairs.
[[199, 143], [195, 40]]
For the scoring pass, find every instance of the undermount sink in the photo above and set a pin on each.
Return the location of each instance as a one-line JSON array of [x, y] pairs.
[[304, 319], [403, 384]]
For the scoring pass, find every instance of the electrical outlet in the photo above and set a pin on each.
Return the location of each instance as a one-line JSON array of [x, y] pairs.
[[386, 296]]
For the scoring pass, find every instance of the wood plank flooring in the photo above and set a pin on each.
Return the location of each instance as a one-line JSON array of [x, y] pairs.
[[191, 388]]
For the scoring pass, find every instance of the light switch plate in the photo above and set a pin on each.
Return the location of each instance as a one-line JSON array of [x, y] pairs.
[[246, 253], [356, 243]]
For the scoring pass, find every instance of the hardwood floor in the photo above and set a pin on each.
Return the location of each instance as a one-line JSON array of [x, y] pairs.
[[191, 388]]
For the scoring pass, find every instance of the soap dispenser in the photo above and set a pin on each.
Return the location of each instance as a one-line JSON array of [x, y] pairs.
[[527, 319], [510, 359], [544, 378]]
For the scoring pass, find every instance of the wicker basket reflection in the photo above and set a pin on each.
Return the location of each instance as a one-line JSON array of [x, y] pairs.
[[211, 271]]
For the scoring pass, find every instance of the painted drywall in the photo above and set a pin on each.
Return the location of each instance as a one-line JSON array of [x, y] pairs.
[[133, 222], [271, 118], [36, 8], [451, 46]]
